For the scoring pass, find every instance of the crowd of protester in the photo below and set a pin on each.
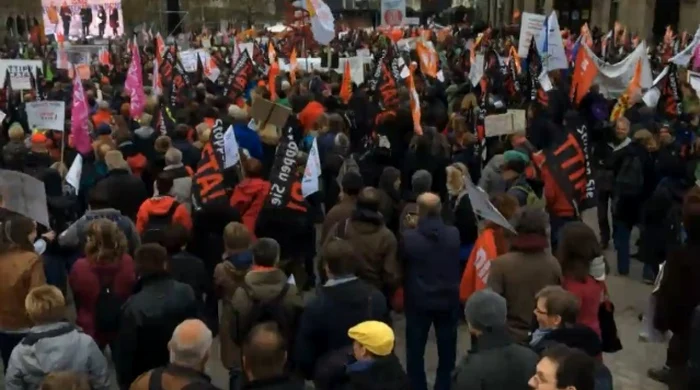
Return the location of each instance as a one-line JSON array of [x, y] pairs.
[[155, 278]]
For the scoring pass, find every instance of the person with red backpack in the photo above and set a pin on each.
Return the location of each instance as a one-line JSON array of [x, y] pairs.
[[160, 211]]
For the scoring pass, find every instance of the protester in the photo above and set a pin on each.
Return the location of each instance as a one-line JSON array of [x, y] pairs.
[[189, 352], [265, 295], [102, 281], [562, 367], [375, 365], [21, 269], [431, 291], [250, 193], [181, 175], [158, 305], [524, 270], [126, 192], [495, 362], [322, 343], [184, 266], [161, 210], [421, 182], [265, 359], [459, 211], [52, 344], [372, 241], [351, 185]]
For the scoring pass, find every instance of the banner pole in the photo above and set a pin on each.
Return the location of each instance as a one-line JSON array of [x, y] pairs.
[[63, 153]]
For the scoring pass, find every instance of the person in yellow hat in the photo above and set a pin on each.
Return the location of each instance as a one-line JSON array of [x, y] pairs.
[[375, 365]]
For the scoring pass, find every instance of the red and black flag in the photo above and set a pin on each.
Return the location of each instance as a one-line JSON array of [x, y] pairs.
[[671, 101], [237, 80], [7, 94], [534, 69], [385, 81], [568, 159], [208, 180]]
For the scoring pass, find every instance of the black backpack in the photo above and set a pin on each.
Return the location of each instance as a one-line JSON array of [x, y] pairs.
[[108, 308], [265, 311], [630, 179], [158, 222]]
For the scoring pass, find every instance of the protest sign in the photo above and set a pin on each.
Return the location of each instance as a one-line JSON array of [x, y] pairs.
[[483, 208], [530, 26], [75, 172], [188, 59], [24, 195], [504, 124], [393, 12], [19, 72], [269, 113], [46, 114]]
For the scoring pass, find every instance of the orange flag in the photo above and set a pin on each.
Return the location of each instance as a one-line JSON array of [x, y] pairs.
[[634, 87], [428, 59], [293, 66], [415, 104], [271, 53], [515, 57], [346, 84], [585, 71], [272, 76]]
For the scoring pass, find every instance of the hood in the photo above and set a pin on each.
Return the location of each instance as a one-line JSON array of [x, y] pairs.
[[577, 336], [61, 351], [251, 187], [388, 178], [267, 284], [431, 227], [160, 204], [366, 221], [109, 213], [128, 149], [240, 261], [495, 165]]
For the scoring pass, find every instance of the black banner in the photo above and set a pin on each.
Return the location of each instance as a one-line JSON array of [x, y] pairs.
[[208, 180], [671, 93], [534, 68], [570, 164], [237, 81], [285, 186]]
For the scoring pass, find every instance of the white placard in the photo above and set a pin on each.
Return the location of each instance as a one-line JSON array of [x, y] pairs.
[[2, 116], [553, 56], [19, 72], [231, 154], [364, 53], [504, 124], [46, 114], [530, 26], [188, 59], [357, 70], [393, 12], [477, 70], [74, 172]]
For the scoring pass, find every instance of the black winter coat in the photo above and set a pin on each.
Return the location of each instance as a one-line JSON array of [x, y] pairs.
[[385, 373], [125, 192], [149, 318]]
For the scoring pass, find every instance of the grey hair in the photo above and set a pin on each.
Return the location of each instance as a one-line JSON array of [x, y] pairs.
[[342, 143], [173, 156], [189, 353], [421, 181], [531, 220]]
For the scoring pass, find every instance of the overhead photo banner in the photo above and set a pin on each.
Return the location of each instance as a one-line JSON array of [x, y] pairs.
[[393, 12]]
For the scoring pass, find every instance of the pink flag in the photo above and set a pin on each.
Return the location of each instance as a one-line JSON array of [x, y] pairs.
[[79, 117], [134, 83]]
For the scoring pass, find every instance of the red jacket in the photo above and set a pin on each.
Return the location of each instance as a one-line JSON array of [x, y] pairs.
[[85, 284], [159, 205], [248, 198]]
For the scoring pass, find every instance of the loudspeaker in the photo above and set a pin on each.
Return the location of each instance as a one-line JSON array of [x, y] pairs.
[[172, 8]]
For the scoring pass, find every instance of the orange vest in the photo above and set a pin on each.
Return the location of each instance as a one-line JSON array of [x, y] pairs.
[[476, 273]]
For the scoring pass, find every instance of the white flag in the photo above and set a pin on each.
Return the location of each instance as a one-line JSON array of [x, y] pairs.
[[231, 154], [551, 46], [74, 173], [309, 183]]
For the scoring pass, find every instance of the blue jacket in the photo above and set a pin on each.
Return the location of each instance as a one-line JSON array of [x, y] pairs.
[[248, 139], [430, 253]]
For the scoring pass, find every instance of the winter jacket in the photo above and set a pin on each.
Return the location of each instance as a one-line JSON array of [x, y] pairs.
[[339, 213], [160, 205], [228, 278], [460, 213], [679, 292], [174, 377], [518, 276], [20, 271], [323, 330], [182, 184], [248, 198], [380, 373], [496, 363], [56, 347], [14, 154], [125, 191], [86, 280], [375, 246], [249, 140], [189, 269], [589, 294], [190, 154], [149, 317], [264, 285], [430, 254], [491, 180], [76, 234]]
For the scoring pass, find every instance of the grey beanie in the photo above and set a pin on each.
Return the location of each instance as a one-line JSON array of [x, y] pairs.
[[421, 181], [485, 310]]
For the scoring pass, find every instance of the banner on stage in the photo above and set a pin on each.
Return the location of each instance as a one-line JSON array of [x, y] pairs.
[[83, 18], [46, 114], [393, 12]]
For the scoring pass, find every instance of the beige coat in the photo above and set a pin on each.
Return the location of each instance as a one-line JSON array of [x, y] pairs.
[[20, 271], [227, 279]]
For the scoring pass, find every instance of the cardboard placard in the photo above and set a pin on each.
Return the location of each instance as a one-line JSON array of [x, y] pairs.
[[24, 195], [504, 124], [267, 112]]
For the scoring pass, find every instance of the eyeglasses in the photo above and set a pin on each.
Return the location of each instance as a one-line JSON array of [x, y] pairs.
[[538, 311]]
